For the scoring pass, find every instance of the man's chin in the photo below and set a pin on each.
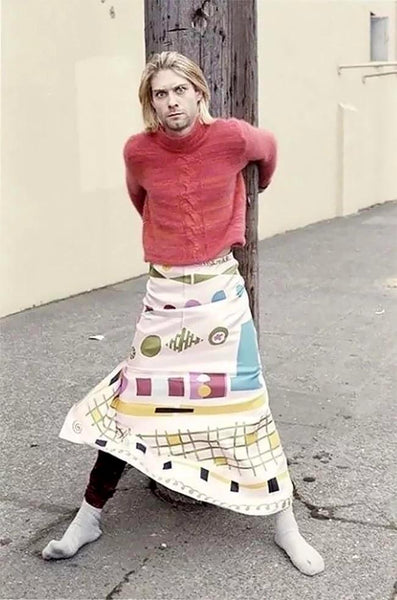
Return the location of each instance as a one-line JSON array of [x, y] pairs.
[[178, 125], [178, 128]]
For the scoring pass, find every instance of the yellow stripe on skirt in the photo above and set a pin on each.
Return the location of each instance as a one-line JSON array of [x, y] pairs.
[[189, 406]]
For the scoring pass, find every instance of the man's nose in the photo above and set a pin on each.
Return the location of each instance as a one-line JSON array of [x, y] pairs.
[[172, 100]]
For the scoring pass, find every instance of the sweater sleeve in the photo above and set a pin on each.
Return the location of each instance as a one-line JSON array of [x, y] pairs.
[[136, 192], [260, 147]]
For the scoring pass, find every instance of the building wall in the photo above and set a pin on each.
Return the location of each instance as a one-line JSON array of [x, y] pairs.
[[337, 135], [69, 103], [70, 76]]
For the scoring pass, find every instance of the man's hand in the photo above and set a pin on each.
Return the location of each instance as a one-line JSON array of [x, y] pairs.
[[262, 189]]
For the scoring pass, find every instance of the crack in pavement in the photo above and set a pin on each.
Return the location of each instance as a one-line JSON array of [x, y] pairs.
[[319, 427], [43, 506], [394, 592], [118, 588], [39, 535], [327, 513], [322, 513]]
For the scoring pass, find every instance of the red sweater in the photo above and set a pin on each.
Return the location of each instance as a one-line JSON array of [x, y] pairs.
[[190, 191]]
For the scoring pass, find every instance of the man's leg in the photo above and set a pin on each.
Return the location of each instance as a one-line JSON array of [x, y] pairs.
[[287, 536], [85, 527]]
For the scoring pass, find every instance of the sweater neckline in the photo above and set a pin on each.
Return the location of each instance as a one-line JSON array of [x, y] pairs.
[[186, 143]]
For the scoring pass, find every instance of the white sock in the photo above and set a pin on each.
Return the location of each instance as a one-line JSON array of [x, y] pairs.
[[84, 528], [302, 555]]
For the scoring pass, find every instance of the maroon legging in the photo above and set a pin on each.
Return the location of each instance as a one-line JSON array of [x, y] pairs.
[[104, 478]]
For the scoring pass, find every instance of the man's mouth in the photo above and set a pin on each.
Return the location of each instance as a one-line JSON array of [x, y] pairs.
[[175, 115]]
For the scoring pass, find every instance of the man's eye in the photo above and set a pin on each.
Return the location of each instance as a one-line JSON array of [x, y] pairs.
[[180, 90], [160, 94]]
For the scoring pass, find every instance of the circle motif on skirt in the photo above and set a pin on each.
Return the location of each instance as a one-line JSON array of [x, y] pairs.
[[218, 336], [218, 296], [191, 303], [76, 426], [204, 391], [151, 346]]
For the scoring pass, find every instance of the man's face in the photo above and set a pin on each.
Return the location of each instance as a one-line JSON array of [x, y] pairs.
[[175, 101]]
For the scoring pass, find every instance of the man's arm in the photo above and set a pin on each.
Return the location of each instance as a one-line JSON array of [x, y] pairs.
[[260, 147], [136, 192]]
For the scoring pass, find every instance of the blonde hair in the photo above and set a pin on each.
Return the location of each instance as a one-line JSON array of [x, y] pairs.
[[182, 66]]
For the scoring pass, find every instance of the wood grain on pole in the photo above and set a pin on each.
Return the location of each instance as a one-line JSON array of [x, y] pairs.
[[220, 36]]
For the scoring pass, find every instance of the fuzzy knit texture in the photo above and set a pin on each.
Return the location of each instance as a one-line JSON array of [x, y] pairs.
[[190, 190]]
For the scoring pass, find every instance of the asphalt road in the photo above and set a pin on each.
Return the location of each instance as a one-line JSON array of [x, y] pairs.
[[328, 343]]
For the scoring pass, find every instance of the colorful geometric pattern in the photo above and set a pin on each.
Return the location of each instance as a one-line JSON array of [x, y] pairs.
[[208, 385], [218, 336], [248, 364], [146, 409], [183, 340], [176, 386], [191, 278], [225, 446], [143, 386], [189, 406], [218, 296], [151, 345], [103, 419]]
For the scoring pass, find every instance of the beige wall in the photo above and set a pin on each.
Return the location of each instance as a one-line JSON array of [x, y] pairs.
[[70, 76], [334, 159], [68, 103]]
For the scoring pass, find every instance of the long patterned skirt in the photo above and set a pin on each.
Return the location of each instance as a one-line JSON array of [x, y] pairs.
[[189, 406]]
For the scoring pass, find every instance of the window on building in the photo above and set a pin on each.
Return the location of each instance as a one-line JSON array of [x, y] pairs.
[[379, 38]]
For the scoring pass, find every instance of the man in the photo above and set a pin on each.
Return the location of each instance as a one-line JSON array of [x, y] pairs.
[[189, 407]]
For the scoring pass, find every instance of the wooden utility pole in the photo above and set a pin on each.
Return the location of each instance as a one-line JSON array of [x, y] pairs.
[[220, 36]]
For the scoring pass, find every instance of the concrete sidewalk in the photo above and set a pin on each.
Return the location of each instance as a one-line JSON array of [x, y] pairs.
[[328, 331]]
